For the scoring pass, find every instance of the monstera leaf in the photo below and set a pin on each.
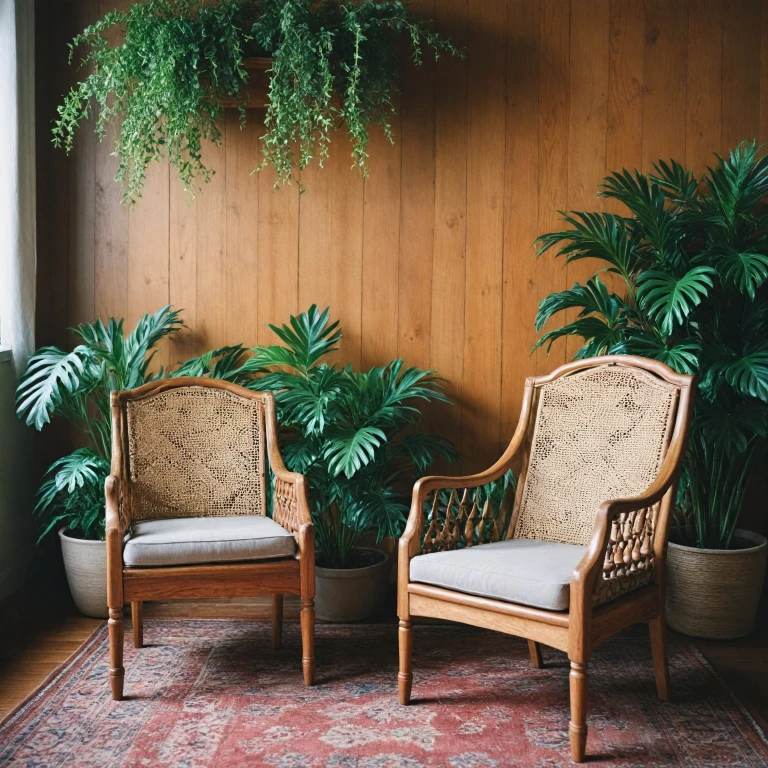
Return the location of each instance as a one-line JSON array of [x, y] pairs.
[[670, 299]]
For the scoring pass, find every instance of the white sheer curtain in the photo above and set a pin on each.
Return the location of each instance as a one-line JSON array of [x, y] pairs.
[[17, 286], [17, 179]]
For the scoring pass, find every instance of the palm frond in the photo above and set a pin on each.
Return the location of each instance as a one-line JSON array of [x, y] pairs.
[[349, 449], [308, 338], [592, 298], [52, 376], [748, 374], [682, 356], [603, 236], [669, 298], [746, 270]]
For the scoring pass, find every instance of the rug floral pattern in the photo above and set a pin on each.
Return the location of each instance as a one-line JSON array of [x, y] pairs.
[[213, 693]]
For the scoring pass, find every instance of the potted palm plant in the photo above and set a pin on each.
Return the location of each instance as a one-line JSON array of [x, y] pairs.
[[691, 263], [165, 69], [351, 433], [76, 385]]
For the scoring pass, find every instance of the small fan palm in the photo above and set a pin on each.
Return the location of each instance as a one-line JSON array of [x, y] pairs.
[[348, 432], [692, 262], [76, 385]]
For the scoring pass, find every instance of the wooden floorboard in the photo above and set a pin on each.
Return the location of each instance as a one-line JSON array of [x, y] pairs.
[[40, 628]]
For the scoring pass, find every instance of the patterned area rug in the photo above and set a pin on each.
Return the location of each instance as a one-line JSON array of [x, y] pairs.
[[213, 693]]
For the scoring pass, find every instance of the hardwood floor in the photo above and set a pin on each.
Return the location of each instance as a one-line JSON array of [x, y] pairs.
[[40, 628]]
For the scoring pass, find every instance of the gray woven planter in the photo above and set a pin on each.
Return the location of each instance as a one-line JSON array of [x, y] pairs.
[[714, 593], [85, 562], [351, 594]]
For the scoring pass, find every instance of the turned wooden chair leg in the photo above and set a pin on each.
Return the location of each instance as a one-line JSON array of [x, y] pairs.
[[116, 669], [658, 630], [577, 728], [535, 650], [277, 621], [137, 623], [405, 675], [308, 639]]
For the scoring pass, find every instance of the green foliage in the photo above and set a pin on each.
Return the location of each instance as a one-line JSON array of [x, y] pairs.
[[77, 386], [326, 49], [349, 432], [692, 261], [162, 68]]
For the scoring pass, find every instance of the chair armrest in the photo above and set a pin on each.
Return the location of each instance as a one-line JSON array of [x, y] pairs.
[[112, 503], [290, 502], [625, 524], [410, 542]]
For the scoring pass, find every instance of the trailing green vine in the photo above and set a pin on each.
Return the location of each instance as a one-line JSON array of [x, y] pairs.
[[161, 69]]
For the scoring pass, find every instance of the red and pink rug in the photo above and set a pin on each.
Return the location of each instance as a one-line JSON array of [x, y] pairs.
[[213, 693]]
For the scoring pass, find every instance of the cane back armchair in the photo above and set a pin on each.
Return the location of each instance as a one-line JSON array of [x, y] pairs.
[[186, 508], [579, 554]]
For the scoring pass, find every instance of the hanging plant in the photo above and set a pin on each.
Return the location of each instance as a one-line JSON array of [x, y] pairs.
[[165, 68]]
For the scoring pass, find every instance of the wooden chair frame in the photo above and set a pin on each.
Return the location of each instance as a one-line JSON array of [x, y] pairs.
[[582, 627], [292, 576]]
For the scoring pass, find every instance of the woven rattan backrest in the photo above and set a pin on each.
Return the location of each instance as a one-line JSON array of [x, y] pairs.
[[598, 434], [194, 451]]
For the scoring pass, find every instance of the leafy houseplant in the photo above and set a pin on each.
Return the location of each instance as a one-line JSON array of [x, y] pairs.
[[691, 260], [347, 431], [174, 61], [76, 385]]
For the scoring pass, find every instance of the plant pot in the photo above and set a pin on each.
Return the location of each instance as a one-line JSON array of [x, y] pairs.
[[351, 594], [714, 593], [85, 563]]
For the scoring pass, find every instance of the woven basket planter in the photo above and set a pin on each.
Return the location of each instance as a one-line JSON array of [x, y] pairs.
[[85, 563], [714, 593], [351, 594]]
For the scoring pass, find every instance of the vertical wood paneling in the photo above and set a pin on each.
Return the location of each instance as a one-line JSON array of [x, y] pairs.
[[450, 219], [417, 194], [554, 57], [82, 187], [182, 288], [741, 71], [242, 190], [345, 265], [587, 123], [110, 237], [705, 63], [381, 248], [148, 254], [521, 208], [278, 270], [111, 223], [624, 140], [315, 237], [666, 81], [211, 262], [481, 390], [430, 257]]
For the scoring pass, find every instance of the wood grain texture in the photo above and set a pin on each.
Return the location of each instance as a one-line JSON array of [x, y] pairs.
[[431, 256]]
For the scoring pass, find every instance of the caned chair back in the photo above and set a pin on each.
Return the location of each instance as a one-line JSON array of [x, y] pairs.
[[190, 448], [597, 433]]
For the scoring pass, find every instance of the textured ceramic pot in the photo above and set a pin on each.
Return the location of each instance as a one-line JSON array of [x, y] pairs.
[[714, 593], [85, 563], [351, 594]]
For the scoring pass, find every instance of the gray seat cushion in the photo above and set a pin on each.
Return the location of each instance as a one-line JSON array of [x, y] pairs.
[[189, 540], [535, 573]]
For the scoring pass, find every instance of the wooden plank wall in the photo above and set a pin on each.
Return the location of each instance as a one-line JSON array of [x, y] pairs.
[[431, 257]]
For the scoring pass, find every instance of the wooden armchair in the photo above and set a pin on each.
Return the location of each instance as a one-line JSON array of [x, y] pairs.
[[600, 443], [186, 508]]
